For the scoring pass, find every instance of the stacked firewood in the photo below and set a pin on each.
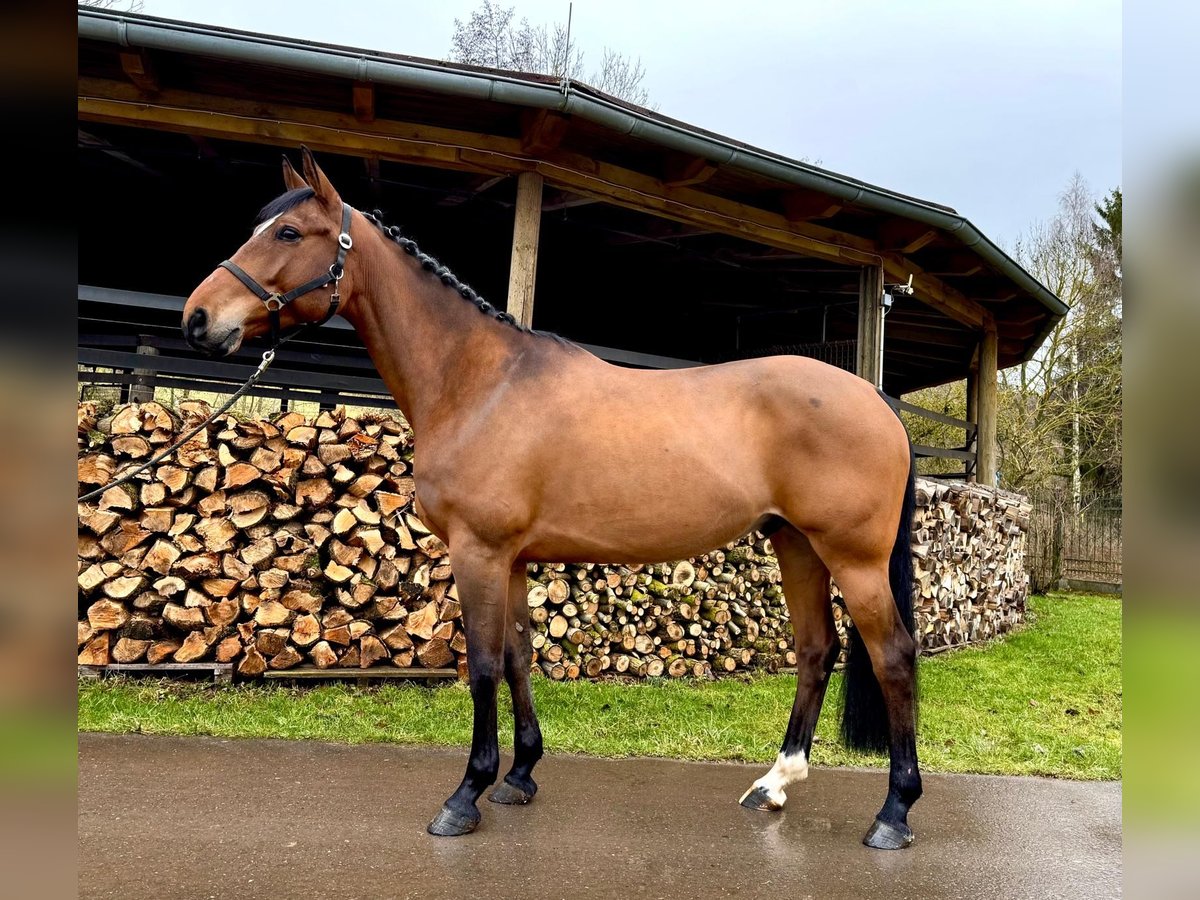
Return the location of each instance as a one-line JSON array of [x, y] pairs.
[[268, 544], [716, 613], [970, 581], [293, 542]]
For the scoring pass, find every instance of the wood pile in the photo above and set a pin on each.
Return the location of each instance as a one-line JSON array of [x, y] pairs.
[[293, 542], [970, 581]]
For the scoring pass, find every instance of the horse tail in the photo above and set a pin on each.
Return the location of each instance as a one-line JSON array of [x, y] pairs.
[[864, 713]]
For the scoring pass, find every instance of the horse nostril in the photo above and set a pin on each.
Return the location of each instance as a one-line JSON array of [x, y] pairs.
[[197, 324]]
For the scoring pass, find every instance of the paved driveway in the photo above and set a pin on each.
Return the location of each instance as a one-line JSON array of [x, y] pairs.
[[202, 817]]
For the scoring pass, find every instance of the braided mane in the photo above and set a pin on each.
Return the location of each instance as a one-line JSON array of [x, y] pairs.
[[448, 278]]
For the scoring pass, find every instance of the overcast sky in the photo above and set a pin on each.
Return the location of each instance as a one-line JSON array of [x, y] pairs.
[[988, 107]]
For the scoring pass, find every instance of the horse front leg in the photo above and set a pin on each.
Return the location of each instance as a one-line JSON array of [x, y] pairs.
[[518, 786], [482, 576]]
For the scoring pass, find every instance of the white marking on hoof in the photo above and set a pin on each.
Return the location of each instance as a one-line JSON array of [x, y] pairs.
[[787, 770]]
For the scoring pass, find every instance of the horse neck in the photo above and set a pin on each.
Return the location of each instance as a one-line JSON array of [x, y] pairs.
[[432, 349]]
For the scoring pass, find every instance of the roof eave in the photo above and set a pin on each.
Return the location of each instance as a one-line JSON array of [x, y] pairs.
[[128, 30]]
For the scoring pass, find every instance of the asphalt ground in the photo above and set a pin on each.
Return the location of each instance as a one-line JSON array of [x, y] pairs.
[[167, 817]]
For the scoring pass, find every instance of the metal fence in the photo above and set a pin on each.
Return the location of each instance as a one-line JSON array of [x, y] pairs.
[[1074, 546]]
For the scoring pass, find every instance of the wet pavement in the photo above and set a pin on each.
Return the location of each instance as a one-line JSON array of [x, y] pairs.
[[164, 817]]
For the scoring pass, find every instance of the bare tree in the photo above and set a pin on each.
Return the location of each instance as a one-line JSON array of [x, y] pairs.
[[492, 37], [1059, 417], [1063, 407]]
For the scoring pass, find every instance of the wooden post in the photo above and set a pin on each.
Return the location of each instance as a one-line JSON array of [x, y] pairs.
[[985, 463], [522, 271], [142, 389], [973, 416], [870, 325]]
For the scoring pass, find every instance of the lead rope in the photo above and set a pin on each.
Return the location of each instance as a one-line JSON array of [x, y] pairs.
[[268, 357]]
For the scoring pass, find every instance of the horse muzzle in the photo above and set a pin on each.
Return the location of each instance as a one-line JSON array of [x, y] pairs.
[[199, 334]]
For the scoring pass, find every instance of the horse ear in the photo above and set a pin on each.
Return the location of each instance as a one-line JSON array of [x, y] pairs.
[[317, 181], [291, 178]]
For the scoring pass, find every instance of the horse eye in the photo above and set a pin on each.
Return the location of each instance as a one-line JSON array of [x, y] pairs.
[[287, 233]]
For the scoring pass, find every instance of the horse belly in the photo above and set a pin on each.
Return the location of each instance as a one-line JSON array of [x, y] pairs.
[[644, 506]]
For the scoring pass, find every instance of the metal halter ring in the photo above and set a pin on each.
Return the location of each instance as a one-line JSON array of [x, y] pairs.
[[274, 303], [345, 241]]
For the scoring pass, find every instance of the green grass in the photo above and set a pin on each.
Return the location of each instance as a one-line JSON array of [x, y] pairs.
[[1046, 701]]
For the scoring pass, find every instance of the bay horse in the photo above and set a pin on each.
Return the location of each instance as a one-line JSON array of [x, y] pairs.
[[810, 454]]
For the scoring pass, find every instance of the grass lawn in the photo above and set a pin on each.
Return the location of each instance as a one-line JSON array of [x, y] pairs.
[[1046, 701]]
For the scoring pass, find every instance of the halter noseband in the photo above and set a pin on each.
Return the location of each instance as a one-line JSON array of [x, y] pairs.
[[276, 301]]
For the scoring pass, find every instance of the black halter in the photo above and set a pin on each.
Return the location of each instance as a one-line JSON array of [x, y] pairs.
[[276, 301]]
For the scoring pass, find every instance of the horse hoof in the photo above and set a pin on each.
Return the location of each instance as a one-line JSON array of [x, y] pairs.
[[883, 836], [448, 823], [759, 798], [512, 795]]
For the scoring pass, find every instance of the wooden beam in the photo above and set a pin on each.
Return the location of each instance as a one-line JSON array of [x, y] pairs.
[[869, 364], [986, 409], [542, 130], [476, 186], [522, 270], [804, 206], [905, 236], [934, 292], [920, 241], [559, 200], [139, 68], [104, 100], [364, 101], [681, 171]]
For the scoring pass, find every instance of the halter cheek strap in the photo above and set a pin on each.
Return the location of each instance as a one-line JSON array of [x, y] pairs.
[[277, 301]]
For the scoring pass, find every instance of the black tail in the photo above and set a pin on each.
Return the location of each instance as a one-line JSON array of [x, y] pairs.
[[864, 714]]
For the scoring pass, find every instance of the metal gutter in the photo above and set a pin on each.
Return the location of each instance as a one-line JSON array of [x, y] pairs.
[[127, 30]]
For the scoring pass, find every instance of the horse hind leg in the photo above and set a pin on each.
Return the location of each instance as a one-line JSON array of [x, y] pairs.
[[881, 700], [806, 590], [518, 786]]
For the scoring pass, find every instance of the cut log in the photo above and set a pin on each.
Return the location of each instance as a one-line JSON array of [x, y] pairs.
[[370, 651], [285, 658], [314, 493], [228, 649], [248, 508], [305, 630], [271, 641], [95, 652], [161, 651], [185, 618], [272, 613], [218, 534], [420, 624], [434, 654], [195, 647], [322, 655], [303, 601], [107, 615], [240, 474]]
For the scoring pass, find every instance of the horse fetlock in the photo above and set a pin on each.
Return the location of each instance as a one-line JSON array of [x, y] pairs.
[[768, 792]]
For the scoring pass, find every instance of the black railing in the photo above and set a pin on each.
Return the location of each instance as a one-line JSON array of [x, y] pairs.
[[965, 453]]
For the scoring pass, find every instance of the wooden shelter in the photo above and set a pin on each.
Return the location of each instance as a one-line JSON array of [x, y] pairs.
[[650, 241]]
